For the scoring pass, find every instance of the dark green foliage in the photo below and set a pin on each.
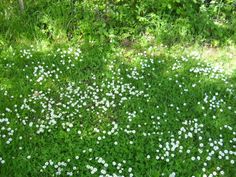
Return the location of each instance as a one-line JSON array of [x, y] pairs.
[[169, 21]]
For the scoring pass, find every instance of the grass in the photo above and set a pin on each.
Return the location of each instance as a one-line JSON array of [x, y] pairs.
[[152, 115], [81, 98]]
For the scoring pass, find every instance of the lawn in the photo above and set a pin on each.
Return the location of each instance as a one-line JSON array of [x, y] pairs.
[[115, 104]]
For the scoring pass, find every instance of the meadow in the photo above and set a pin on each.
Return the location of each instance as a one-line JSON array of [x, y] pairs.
[[117, 89]]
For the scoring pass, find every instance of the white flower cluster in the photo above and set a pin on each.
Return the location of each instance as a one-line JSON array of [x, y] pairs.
[[41, 73], [167, 150], [131, 115], [6, 131], [214, 72], [134, 74], [213, 101], [27, 53], [190, 127], [103, 170], [60, 168]]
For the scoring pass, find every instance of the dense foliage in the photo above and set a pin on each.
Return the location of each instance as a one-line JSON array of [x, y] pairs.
[[169, 21]]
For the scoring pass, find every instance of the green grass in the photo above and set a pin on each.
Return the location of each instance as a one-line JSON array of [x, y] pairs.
[[129, 88], [165, 113]]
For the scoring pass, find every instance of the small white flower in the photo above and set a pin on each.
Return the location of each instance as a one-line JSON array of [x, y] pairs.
[[103, 172], [172, 174], [129, 169]]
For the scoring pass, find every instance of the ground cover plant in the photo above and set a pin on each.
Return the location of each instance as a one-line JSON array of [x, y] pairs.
[[72, 112], [117, 88]]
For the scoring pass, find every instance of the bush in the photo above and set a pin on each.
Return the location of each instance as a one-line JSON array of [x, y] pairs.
[[168, 20]]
